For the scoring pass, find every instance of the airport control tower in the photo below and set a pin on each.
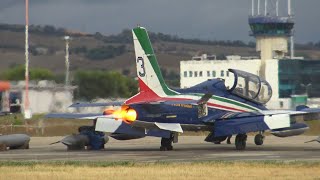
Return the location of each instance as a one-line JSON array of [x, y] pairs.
[[271, 30]]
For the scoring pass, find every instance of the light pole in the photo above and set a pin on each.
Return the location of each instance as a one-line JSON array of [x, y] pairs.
[[67, 39], [27, 110]]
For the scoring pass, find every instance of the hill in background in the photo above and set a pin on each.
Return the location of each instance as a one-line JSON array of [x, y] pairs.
[[99, 52]]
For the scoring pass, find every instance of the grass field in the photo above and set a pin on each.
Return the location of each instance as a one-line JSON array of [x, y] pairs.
[[129, 170]]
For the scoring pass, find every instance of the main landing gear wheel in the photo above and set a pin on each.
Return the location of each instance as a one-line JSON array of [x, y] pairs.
[[241, 141], [166, 144], [258, 139]]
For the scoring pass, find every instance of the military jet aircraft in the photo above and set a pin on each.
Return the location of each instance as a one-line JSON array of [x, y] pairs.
[[160, 111]]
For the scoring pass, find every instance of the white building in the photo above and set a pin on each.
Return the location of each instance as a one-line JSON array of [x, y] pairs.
[[44, 97]]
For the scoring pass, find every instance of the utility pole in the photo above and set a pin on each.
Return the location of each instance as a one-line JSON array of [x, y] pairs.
[[27, 110], [67, 81]]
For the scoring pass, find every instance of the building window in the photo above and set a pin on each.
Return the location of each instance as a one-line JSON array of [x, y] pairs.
[[227, 73], [200, 74], [222, 73], [208, 73], [190, 73], [213, 73], [281, 104], [196, 74], [185, 74]]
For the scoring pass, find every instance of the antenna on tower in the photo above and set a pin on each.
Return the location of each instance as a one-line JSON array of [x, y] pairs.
[[291, 37], [289, 8], [265, 7], [277, 7], [252, 8], [258, 7]]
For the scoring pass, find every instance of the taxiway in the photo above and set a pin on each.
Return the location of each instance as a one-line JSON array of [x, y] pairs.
[[189, 148]]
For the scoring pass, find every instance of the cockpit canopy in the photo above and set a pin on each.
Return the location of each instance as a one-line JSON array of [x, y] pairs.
[[250, 87]]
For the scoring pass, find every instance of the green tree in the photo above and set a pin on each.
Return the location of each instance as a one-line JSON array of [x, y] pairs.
[[18, 73], [101, 84]]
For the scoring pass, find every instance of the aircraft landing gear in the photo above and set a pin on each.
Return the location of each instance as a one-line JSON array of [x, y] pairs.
[[166, 144], [241, 141], [258, 139]]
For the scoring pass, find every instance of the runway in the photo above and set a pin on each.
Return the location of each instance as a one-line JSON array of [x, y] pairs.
[[189, 148]]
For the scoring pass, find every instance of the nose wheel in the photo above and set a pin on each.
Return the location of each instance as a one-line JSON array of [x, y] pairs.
[[241, 141]]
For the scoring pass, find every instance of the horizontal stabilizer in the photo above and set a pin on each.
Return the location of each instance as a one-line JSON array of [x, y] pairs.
[[117, 126], [108, 125], [80, 105], [174, 127]]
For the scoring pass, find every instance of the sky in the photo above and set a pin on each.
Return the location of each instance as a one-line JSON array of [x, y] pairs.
[[203, 19]]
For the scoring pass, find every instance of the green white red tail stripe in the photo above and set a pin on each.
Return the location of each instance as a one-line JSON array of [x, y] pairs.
[[148, 70]]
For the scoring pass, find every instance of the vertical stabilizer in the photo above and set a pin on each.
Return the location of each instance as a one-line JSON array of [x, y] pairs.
[[148, 71]]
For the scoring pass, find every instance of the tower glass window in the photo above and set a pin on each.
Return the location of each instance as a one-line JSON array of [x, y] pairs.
[[297, 77]]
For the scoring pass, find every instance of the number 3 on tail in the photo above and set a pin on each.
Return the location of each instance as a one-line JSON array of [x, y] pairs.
[[140, 66]]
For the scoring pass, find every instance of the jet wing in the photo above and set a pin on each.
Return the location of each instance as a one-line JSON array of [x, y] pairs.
[[266, 120], [243, 125], [107, 123]]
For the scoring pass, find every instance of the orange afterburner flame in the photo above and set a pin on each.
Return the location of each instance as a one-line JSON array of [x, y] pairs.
[[108, 111], [131, 115], [127, 114]]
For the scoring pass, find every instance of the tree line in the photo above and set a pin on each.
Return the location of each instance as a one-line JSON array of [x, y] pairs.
[[90, 84]]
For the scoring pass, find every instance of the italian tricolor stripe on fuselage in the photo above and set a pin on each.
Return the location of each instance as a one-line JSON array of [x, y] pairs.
[[153, 87]]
